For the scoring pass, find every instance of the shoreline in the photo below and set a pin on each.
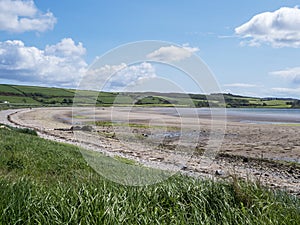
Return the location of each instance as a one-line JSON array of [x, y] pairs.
[[244, 164]]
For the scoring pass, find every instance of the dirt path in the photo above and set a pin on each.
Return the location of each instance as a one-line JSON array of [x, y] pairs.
[[247, 151]]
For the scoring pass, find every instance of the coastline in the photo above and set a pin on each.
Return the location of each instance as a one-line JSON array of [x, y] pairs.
[[249, 150]]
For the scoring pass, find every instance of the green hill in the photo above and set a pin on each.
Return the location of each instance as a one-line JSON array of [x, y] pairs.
[[34, 96]]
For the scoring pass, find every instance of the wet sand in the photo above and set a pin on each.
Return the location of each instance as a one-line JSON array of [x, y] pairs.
[[250, 150]]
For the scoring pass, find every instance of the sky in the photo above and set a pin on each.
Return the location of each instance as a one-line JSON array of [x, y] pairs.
[[250, 47]]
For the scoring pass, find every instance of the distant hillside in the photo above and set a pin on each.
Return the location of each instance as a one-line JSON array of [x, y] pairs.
[[34, 96]]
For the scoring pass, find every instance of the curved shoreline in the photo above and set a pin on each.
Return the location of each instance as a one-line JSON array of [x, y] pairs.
[[270, 174]]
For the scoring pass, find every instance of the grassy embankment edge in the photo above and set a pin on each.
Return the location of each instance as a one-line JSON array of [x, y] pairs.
[[45, 182]]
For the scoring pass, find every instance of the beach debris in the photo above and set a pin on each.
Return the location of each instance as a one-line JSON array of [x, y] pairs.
[[4, 127], [76, 128], [245, 160], [219, 173], [156, 159], [62, 129], [135, 131], [82, 128], [184, 167]]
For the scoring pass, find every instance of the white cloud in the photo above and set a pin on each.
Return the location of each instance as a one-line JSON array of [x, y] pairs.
[[118, 77], [279, 28], [242, 85], [292, 74], [172, 53], [21, 16], [60, 65], [290, 92], [66, 47], [265, 91]]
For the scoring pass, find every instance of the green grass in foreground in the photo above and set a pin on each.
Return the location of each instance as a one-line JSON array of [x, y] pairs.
[[44, 182]]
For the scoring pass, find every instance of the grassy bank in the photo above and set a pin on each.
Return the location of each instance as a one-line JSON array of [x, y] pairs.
[[44, 182]]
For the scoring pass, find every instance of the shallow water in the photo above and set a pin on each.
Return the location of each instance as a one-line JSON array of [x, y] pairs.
[[245, 115]]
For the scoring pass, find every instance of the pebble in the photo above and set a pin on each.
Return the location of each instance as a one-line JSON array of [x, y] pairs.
[[219, 172], [184, 167]]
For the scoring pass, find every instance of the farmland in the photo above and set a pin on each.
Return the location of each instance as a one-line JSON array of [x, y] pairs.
[[33, 96]]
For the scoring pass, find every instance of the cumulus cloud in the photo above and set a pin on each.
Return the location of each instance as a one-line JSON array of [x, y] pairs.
[[118, 77], [279, 28], [61, 64], [172, 53], [241, 85], [21, 16], [292, 74]]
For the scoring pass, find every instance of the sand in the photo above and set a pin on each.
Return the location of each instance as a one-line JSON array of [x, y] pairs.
[[194, 146]]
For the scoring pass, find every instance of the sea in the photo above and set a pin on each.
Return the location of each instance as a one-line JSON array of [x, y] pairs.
[[244, 115]]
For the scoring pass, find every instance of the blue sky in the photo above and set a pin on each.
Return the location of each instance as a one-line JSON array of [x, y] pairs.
[[252, 47]]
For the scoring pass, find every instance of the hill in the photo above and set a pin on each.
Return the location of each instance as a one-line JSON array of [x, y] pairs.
[[34, 96]]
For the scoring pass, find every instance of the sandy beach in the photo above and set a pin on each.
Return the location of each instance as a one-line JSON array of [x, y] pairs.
[[264, 152]]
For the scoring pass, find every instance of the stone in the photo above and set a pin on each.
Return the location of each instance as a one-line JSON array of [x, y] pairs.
[[219, 172]]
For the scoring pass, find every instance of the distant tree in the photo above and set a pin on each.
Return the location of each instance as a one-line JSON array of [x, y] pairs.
[[296, 104], [202, 104], [233, 102], [67, 101]]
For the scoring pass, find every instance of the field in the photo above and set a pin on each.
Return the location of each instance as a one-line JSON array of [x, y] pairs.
[[45, 182], [32, 96]]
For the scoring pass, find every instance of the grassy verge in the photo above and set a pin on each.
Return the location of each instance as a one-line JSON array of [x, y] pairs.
[[44, 182]]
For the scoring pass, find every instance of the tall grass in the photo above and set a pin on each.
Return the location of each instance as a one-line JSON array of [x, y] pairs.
[[52, 184]]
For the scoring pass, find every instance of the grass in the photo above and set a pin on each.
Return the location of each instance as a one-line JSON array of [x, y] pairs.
[[44, 182], [288, 124], [105, 123], [110, 124], [18, 99], [43, 90], [9, 89], [102, 123], [47, 96], [22, 130], [125, 160]]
